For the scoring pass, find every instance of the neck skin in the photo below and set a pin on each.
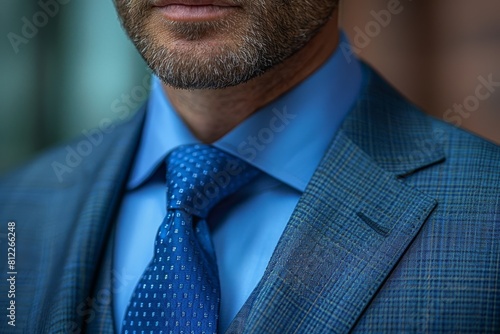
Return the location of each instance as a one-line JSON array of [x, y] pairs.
[[210, 114]]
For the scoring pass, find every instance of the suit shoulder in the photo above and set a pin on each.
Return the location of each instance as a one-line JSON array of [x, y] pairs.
[[59, 166], [465, 145], [470, 171], [38, 168], [454, 140]]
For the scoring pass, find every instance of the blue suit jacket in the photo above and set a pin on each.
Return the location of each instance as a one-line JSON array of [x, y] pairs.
[[398, 231]]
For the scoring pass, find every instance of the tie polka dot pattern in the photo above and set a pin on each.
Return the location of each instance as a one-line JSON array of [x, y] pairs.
[[179, 290]]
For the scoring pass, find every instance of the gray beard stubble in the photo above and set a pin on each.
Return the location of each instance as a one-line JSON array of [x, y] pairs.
[[275, 33]]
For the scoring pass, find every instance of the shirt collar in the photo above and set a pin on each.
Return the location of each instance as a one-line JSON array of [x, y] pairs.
[[286, 139]]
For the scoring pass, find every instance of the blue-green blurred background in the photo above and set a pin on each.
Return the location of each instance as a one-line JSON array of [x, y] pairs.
[[65, 78]]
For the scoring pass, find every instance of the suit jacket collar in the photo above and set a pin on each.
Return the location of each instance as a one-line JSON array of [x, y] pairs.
[[391, 131], [352, 225]]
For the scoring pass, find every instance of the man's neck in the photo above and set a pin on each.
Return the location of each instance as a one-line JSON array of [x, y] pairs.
[[210, 114]]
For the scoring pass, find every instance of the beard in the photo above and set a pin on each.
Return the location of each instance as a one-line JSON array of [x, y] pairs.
[[229, 51]]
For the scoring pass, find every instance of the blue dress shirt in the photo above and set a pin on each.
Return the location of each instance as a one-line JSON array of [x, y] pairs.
[[285, 140]]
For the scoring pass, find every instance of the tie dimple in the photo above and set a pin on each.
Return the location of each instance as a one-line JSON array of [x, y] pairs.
[[179, 291]]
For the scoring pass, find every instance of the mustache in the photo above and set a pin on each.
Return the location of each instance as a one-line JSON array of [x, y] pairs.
[[161, 3]]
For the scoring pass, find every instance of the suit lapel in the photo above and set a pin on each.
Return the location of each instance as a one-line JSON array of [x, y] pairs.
[[88, 258], [352, 225]]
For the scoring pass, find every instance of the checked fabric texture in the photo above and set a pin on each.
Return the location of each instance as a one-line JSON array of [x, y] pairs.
[[179, 291]]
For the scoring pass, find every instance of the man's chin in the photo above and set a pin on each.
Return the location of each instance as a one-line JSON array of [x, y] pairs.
[[200, 55], [206, 81], [200, 31], [201, 74]]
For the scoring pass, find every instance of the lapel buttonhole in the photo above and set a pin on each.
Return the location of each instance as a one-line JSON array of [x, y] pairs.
[[383, 231]]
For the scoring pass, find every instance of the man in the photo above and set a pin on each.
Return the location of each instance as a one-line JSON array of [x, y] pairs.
[[358, 212]]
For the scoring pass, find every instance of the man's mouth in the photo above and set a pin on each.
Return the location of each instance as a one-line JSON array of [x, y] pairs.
[[194, 10]]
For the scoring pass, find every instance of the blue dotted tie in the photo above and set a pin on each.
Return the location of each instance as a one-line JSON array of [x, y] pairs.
[[179, 291]]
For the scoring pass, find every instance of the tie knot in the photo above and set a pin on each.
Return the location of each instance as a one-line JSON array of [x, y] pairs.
[[199, 176]]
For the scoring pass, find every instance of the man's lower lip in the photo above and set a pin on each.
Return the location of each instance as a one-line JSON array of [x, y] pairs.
[[195, 13]]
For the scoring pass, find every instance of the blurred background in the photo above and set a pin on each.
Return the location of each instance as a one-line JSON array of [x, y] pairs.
[[66, 66]]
